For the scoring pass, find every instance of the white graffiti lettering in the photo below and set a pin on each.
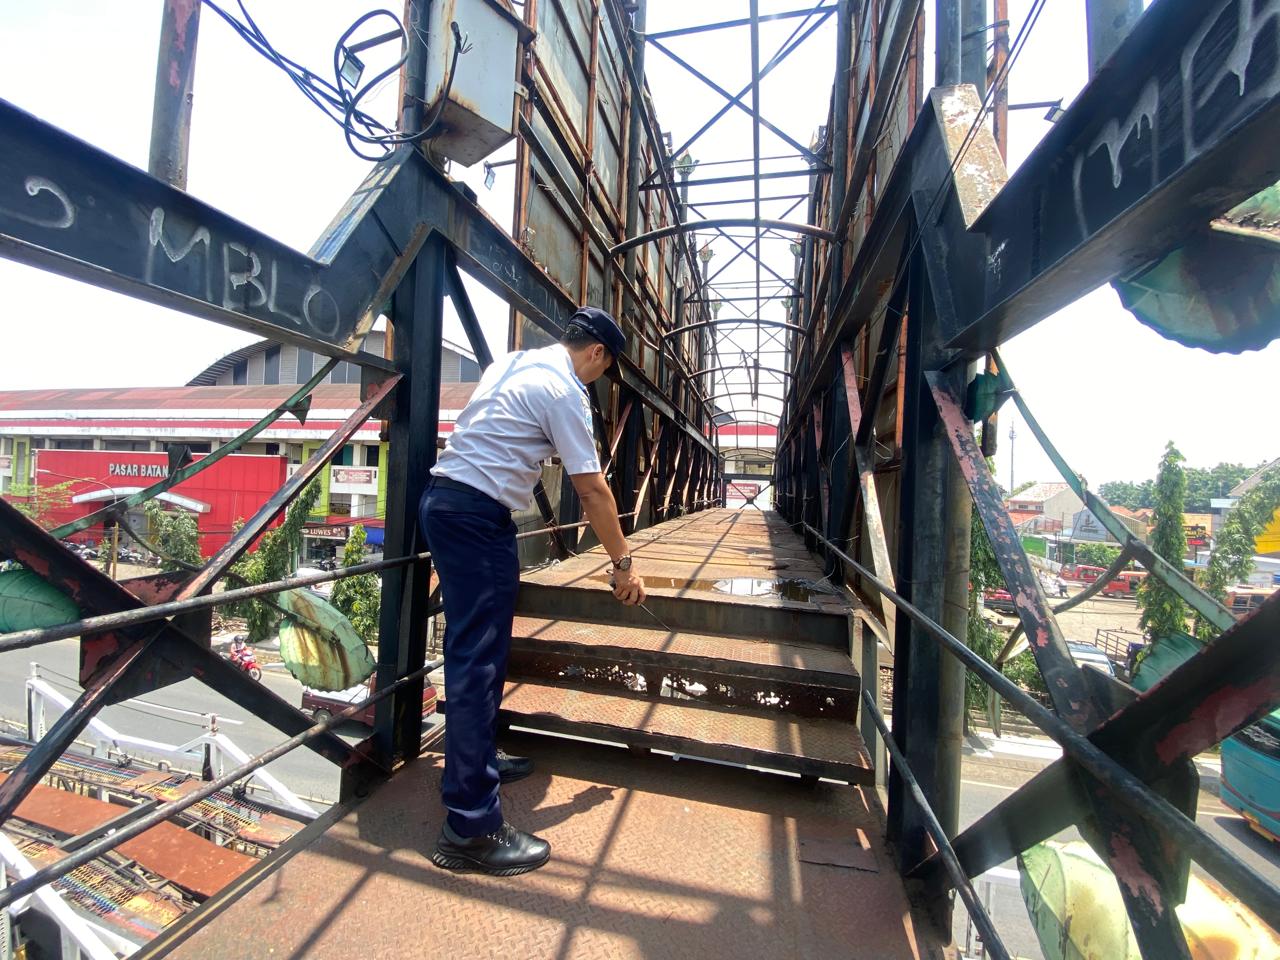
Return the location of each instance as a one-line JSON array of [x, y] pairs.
[[329, 329], [235, 279], [271, 301], [1197, 94], [36, 186], [174, 252]]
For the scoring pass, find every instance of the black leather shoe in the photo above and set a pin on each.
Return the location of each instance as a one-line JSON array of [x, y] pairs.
[[511, 769], [507, 852]]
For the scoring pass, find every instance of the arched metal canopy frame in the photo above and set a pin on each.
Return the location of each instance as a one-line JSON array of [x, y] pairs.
[[739, 366], [748, 322], [671, 230]]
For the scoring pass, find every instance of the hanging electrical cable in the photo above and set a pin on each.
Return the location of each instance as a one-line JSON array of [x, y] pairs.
[[340, 98]]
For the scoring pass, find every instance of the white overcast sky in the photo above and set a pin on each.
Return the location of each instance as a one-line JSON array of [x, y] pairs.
[[1109, 391]]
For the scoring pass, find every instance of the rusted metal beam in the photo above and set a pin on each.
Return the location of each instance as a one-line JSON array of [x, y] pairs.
[[1048, 646], [1129, 792], [1150, 890], [175, 79], [1136, 164], [872, 516], [141, 237]]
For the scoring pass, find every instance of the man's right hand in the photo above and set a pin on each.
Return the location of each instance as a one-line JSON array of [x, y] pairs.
[[628, 587]]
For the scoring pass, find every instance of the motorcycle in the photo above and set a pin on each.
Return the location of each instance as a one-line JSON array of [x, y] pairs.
[[246, 661]]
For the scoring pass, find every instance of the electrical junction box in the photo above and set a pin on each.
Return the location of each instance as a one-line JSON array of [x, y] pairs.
[[480, 113]]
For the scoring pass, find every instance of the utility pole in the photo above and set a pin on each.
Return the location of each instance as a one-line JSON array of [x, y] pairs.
[[1013, 434], [175, 79]]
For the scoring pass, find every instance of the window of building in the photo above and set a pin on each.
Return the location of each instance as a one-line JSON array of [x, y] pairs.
[[72, 445], [305, 368], [6, 445], [200, 446], [345, 457], [240, 373], [126, 445], [271, 449], [271, 367], [370, 455]]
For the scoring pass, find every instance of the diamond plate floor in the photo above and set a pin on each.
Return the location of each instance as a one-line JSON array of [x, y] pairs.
[[648, 861]]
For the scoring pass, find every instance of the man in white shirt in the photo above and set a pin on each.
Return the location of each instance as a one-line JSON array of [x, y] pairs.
[[527, 406]]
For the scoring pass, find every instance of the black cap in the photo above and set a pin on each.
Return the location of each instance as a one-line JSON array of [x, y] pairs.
[[602, 327]]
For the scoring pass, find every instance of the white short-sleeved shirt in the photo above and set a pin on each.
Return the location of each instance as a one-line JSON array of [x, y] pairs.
[[527, 406]]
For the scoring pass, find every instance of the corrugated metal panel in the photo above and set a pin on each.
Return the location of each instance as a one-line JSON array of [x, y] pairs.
[[289, 364], [450, 369], [257, 369]]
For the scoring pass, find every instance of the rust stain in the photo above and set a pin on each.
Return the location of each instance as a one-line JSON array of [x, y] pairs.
[[1214, 717], [1127, 867]]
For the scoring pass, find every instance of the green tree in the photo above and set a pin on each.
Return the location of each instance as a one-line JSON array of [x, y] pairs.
[[1234, 544], [980, 636], [275, 558], [40, 502], [1205, 485], [1163, 612], [359, 597], [1096, 554], [176, 537], [1124, 493]]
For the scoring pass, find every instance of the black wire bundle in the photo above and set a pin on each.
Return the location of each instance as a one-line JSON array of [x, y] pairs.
[[339, 100]]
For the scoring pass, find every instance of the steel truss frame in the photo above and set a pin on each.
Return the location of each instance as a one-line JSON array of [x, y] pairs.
[[944, 263], [404, 237]]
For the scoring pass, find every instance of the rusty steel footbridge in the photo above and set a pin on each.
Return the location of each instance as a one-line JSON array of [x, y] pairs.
[[870, 339]]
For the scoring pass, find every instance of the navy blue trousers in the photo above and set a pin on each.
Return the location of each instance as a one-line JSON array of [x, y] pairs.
[[472, 539]]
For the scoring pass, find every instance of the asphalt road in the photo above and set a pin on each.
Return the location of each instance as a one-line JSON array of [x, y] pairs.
[[307, 774], [990, 775]]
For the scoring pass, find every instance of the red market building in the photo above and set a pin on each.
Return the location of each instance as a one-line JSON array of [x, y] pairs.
[[229, 491], [133, 428]]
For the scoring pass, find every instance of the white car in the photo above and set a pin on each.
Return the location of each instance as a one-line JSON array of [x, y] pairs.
[[1087, 655]]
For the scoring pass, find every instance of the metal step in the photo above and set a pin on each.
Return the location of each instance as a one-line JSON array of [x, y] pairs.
[[782, 621], [792, 678], [803, 745]]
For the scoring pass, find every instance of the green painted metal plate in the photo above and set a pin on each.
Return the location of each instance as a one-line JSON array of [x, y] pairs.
[[318, 644], [29, 603]]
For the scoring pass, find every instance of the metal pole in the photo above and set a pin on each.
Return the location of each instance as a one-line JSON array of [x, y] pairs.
[[947, 57], [417, 19], [635, 151], [973, 44], [999, 57], [839, 147], [175, 78], [1109, 22], [115, 550]]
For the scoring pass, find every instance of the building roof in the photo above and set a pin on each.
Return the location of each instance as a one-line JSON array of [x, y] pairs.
[[1019, 517], [1039, 493], [1251, 481], [1142, 513], [212, 413], [118, 400], [210, 374]]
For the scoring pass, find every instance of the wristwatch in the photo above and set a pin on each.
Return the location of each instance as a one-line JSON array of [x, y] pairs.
[[623, 562]]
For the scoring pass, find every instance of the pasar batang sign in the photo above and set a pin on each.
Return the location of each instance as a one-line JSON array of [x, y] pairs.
[[153, 471]]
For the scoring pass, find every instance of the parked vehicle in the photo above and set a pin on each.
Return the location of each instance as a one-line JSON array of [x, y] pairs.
[[1087, 655], [322, 706], [1243, 600], [1250, 780], [1083, 573], [998, 600], [1125, 584], [242, 656]]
